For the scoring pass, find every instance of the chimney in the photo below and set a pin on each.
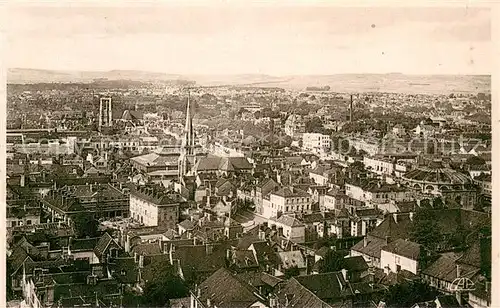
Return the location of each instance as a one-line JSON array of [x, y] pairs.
[[395, 216], [459, 272], [411, 216], [262, 235], [387, 240], [280, 231], [23, 180], [365, 241], [127, 243], [209, 249], [344, 273], [228, 254]]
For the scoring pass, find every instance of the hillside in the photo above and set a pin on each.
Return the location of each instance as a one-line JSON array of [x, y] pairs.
[[394, 82]]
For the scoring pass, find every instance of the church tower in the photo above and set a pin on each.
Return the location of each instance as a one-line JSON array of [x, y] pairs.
[[188, 155]]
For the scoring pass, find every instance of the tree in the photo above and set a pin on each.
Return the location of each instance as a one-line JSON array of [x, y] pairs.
[[409, 293], [163, 286], [85, 225], [314, 125], [425, 230], [292, 272], [332, 262]]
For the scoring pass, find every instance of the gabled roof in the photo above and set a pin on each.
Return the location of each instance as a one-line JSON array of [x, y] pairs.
[[373, 246], [292, 259], [394, 226], [224, 290], [244, 259], [102, 245], [298, 296], [329, 287], [18, 257], [290, 192], [197, 258], [223, 164], [404, 248], [356, 263], [187, 224], [445, 268], [87, 244], [287, 220], [147, 249]]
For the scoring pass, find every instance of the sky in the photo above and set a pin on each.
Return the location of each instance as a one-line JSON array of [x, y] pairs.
[[229, 39]]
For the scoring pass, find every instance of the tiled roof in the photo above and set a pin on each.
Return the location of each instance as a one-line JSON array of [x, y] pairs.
[[224, 290], [83, 244], [265, 253], [287, 220], [329, 287], [147, 249], [103, 244], [292, 258], [156, 195], [223, 164], [436, 174], [298, 296], [373, 247], [187, 224], [195, 259], [445, 268], [244, 259], [259, 279], [288, 192], [394, 226], [357, 263], [403, 248], [154, 159]]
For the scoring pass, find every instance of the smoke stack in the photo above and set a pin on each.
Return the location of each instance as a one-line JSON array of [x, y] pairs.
[[344, 273], [350, 110]]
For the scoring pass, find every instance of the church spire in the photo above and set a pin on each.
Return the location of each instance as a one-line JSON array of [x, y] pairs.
[[187, 150], [188, 140]]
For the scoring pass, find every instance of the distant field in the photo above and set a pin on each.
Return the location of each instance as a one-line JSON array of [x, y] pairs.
[[431, 84]]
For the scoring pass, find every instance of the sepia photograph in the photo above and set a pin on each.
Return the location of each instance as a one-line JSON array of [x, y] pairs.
[[223, 154]]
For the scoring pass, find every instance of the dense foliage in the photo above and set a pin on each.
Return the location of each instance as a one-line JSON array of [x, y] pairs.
[[85, 225], [332, 262], [407, 294]]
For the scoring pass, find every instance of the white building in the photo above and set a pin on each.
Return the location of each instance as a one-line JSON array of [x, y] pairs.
[[294, 126], [316, 143], [151, 207], [377, 192], [287, 200], [400, 255], [289, 227]]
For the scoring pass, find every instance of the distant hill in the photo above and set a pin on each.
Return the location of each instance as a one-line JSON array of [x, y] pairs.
[[393, 82]]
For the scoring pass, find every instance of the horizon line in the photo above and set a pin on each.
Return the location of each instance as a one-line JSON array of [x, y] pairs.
[[242, 73]]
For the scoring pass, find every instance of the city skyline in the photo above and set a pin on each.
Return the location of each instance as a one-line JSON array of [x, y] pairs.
[[227, 40]]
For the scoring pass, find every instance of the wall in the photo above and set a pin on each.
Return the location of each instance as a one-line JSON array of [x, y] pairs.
[[390, 259], [143, 211]]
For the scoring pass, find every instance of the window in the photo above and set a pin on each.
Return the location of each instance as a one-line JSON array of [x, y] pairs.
[[397, 259], [14, 223], [28, 222]]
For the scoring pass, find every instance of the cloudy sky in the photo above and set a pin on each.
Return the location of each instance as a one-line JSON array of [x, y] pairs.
[[234, 39]]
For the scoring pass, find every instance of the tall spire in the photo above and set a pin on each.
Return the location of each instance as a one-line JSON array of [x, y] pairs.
[[187, 149], [188, 140]]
